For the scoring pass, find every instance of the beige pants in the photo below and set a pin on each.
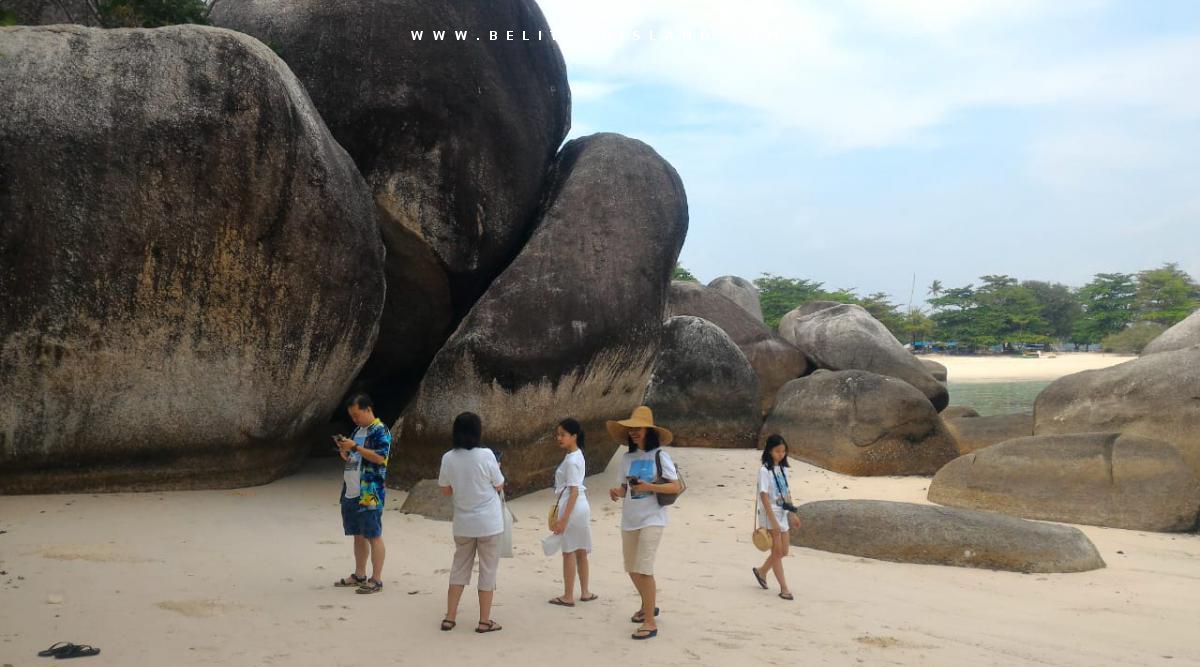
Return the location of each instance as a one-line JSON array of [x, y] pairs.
[[639, 548], [465, 549]]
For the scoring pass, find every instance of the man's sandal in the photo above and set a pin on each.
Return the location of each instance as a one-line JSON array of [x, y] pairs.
[[645, 633], [490, 626], [589, 598], [370, 586], [561, 602], [352, 581]]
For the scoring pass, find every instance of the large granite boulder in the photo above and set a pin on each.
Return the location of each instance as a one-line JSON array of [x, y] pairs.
[[937, 370], [975, 433], [703, 387], [572, 326], [1103, 479], [959, 412], [847, 337], [911, 533], [740, 291], [426, 499], [775, 361], [860, 423], [190, 266], [1156, 396], [454, 137], [1184, 334], [48, 12]]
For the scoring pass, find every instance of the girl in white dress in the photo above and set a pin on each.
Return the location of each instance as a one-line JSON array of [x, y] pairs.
[[574, 514], [773, 496]]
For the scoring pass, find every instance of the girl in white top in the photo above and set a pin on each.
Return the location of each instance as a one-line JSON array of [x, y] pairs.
[[470, 474], [642, 518], [574, 513], [773, 493]]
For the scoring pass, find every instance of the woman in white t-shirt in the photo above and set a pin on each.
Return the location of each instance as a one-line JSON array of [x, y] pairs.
[[642, 518], [773, 496], [471, 475], [574, 513]]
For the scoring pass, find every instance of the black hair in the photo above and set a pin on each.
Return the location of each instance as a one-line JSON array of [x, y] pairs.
[[651, 440], [361, 401], [467, 431], [773, 441], [572, 426]]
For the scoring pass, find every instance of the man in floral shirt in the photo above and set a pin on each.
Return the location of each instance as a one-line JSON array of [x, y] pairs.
[[366, 457]]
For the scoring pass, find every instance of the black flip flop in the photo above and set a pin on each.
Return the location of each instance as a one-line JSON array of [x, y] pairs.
[[79, 651], [762, 581], [593, 596], [561, 602], [787, 596], [56, 649], [637, 616]]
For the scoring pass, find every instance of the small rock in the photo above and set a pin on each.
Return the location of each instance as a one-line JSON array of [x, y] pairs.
[[54, 598], [1121, 552]]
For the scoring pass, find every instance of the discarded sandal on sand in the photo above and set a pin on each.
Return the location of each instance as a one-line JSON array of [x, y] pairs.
[[56, 649], [78, 651]]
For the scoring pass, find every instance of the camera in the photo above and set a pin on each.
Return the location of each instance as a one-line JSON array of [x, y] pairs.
[[787, 506]]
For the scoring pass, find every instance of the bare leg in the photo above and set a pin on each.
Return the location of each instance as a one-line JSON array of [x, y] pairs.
[[778, 551], [361, 549], [485, 606], [646, 588], [581, 559], [568, 576], [378, 552], [453, 595]]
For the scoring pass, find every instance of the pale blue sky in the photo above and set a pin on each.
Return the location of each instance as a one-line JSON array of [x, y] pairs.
[[860, 141]]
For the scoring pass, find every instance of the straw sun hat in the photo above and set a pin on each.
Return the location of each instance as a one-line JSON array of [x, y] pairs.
[[641, 418]]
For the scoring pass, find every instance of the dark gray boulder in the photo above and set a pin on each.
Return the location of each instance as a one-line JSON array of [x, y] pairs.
[[938, 371], [703, 387], [911, 533], [572, 326], [454, 137], [1103, 479], [740, 291], [860, 423], [1156, 396], [426, 499], [847, 337], [975, 433], [959, 412], [775, 361], [190, 266], [1184, 334]]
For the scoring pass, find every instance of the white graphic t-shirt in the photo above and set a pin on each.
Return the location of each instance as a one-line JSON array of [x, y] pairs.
[[642, 509], [352, 472]]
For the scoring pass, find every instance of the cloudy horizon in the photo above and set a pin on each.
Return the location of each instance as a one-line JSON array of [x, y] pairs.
[[861, 144]]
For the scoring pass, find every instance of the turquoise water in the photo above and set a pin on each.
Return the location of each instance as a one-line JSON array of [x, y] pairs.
[[997, 398]]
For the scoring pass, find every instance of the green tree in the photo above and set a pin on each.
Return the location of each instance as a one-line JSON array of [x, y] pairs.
[[681, 273], [779, 295], [1060, 307], [149, 13], [955, 316], [1164, 295], [1108, 306], [1133, 338], [935, 289]]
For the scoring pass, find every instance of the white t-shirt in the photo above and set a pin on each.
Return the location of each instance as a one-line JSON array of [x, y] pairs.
[[642, 510], [353, 469], [474, 475], [767, 484], [570, 473]]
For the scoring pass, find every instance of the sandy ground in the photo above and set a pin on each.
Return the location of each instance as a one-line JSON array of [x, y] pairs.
[[1010, 368], [243, 578]]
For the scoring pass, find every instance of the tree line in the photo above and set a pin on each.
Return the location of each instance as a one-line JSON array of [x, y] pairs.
[[1121, 312]]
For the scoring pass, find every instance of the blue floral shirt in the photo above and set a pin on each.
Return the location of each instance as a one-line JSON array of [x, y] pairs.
[[370, 484]]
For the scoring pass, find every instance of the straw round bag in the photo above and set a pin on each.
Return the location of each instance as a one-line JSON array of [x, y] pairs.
[[761, 536]]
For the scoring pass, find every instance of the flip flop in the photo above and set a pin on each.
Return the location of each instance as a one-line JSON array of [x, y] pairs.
[[56, 649], [762, 581], [787, 596], [561, 602], [491, 626], [448, 625], [589, 598], [645, 633], [638, 617], [79, 651]]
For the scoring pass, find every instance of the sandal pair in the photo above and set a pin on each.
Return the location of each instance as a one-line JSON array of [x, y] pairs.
[[63, 650]]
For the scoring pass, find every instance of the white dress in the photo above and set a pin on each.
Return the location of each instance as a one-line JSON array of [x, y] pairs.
[[578, 534]]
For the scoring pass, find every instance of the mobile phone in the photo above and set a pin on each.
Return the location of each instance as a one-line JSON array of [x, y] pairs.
[[631, 480]]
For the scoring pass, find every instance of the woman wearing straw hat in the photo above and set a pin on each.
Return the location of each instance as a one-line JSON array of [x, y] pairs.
[[642, 518]]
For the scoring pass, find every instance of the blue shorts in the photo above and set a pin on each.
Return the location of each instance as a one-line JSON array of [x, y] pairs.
[[359, 521]]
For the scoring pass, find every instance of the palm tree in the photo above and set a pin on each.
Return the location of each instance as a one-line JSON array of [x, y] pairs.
[[935, 289]]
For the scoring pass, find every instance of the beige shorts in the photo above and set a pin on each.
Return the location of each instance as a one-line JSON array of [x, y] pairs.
[[640, 547], [465, 549]]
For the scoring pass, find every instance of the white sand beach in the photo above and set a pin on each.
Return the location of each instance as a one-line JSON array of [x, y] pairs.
[[1007, 368], [243, 578]]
